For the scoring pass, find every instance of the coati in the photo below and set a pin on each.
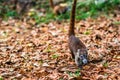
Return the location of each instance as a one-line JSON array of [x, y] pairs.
[[22, 6], [58, 9], [78, 49]]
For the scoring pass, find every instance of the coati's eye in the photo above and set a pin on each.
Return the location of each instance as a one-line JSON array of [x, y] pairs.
[[81, 56], [86, 55]]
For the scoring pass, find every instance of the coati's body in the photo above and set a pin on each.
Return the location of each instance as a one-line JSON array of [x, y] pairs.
[[76, 46], [58, 9], [21, 6]]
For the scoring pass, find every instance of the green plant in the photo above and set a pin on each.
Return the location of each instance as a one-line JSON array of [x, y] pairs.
[[70, 73], [87, 32], [105, 64], [77, 72], [89, 8], [85, 9], [74, 74], [1, 78], [116, 22], [54, 56], [6, 12], [41, 62]]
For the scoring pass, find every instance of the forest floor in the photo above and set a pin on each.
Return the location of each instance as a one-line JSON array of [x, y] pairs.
[[40, 52]]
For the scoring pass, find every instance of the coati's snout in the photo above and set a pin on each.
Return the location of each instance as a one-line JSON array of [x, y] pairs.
[[81, 58]]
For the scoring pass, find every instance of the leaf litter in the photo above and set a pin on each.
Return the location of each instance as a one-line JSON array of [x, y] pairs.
[[41, 53]]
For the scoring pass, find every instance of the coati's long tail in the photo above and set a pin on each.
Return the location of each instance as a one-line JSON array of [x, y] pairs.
[[51, 4], [72, 19]]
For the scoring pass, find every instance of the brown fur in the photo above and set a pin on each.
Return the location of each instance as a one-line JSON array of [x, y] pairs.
[[76, 46], [58, 9]]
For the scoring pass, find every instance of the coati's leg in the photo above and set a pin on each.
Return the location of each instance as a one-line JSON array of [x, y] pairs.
[[73, 56]]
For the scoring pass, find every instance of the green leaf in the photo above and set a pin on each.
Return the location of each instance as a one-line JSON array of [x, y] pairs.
[[54, 56], [87, 32], [105, 64]]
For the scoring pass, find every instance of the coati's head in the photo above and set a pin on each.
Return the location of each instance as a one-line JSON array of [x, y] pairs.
[[81, 57]]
